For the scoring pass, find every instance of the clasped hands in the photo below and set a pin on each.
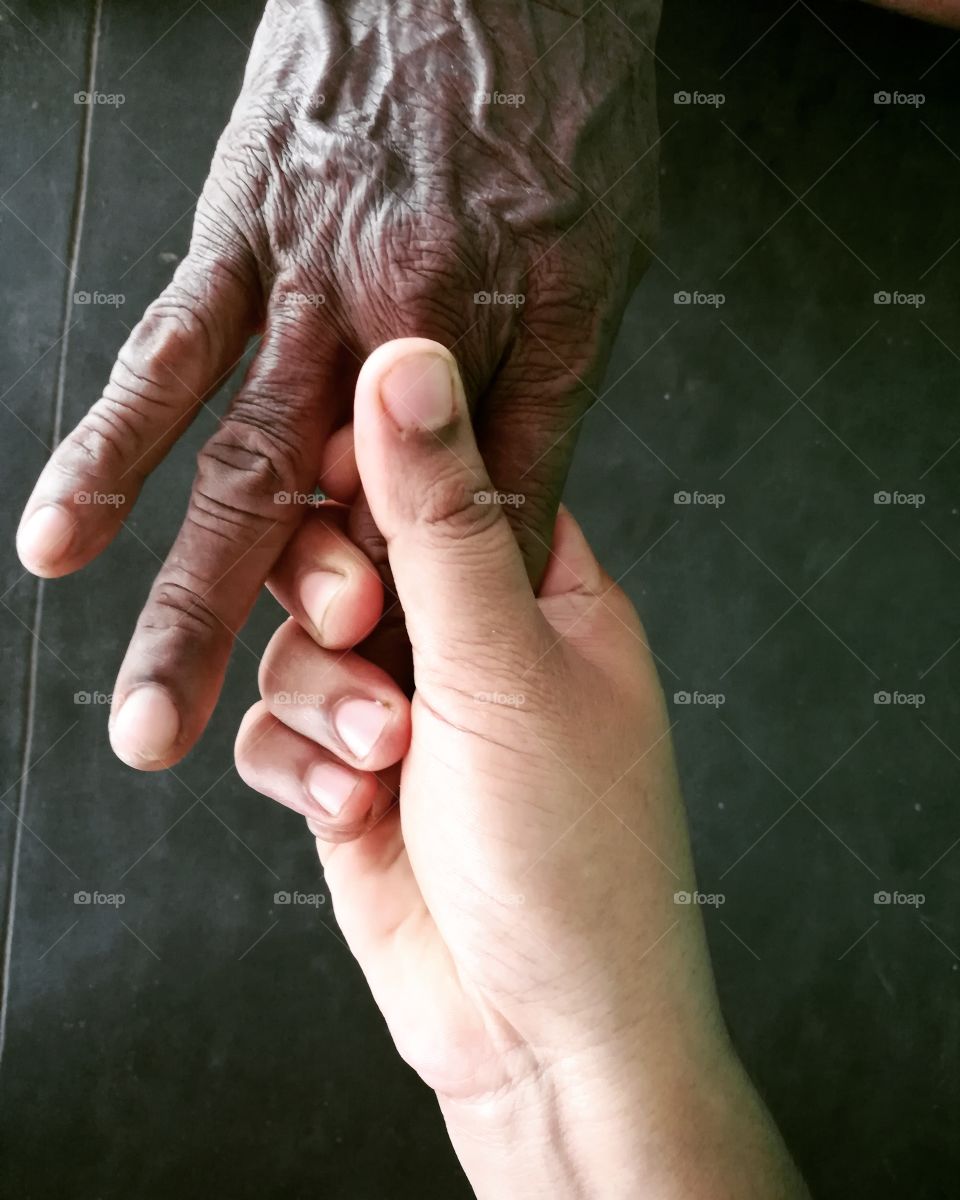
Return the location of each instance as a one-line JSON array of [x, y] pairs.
[[502, 851]]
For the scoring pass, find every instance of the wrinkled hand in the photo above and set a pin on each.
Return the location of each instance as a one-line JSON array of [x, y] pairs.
[[379, 173]]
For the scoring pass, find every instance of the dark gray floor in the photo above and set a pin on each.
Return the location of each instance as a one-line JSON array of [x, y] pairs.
[[201, 1040]]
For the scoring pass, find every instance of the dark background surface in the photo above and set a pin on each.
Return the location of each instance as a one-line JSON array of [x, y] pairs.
[[200, 1040]]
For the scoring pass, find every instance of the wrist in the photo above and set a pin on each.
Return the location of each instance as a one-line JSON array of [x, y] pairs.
[[616, 1124], [570, 1128]]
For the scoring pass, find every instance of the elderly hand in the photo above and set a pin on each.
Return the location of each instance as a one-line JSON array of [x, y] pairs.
[[479, 172]]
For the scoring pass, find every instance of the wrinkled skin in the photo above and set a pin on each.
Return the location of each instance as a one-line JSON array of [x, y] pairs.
[[365, 190]]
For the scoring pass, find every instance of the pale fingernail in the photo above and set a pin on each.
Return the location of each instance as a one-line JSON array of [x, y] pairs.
[[417, 393], [44, 536], [360, 723], [146, 728], [317, 590], [330, 786]]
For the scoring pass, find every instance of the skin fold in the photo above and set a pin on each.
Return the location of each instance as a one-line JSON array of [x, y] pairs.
[[387, 169]]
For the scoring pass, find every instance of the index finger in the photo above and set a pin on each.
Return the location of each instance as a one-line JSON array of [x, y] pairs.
[[253, 480]]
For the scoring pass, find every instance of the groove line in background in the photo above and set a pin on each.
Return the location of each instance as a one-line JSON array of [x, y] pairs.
[[74, 238]]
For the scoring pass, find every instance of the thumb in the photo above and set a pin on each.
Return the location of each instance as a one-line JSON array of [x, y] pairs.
[[458, 570]]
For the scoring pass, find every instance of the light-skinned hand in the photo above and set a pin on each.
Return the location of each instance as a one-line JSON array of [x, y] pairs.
[[514, 914]]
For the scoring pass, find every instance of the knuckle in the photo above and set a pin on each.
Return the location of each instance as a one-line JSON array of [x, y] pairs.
[[167, 353], [246, 464], [503, 693], [235, 189], [170, 328], [99, 447], [452, 508], [181, 606]]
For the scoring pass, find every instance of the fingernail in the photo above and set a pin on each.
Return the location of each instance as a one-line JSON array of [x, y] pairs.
[[330, 786], [317, 590], [417, 393], [360, 723], [146, 727], [44, 537]]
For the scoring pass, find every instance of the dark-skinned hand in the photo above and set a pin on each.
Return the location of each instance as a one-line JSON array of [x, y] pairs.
[[391, 168]]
